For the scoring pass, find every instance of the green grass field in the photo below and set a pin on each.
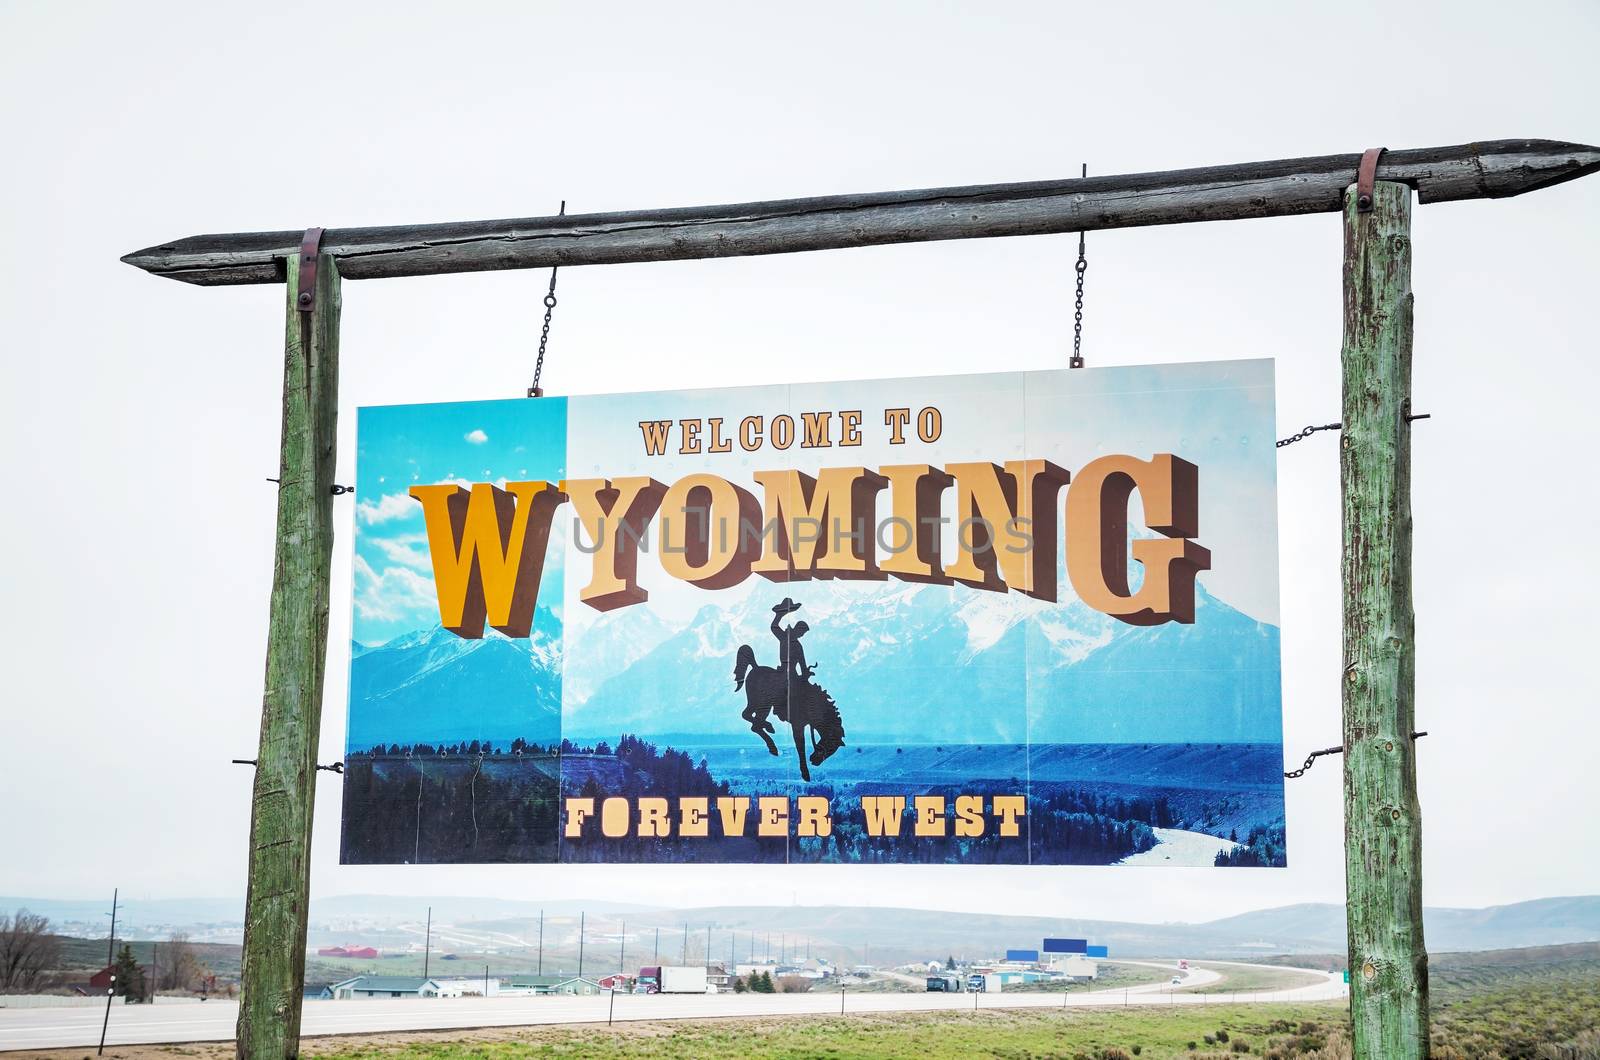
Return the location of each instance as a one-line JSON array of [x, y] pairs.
[[1097, 1034], [1237, 980]]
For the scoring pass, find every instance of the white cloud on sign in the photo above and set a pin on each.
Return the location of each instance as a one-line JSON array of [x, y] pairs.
[[388, 507], [393, 594]]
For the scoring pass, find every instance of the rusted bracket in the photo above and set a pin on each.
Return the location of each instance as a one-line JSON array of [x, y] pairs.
[[310, 247], [1366, 177]]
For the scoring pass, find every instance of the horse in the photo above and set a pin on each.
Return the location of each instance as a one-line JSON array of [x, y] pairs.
[[768, 691]]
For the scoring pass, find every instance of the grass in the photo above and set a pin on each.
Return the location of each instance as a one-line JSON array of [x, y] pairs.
[[1241, 980], [1094, 1034]]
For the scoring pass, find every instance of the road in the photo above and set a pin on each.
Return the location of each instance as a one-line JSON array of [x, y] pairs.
[[46, 1028]]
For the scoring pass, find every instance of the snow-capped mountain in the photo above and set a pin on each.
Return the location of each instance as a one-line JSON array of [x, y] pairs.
[[928, 663], [905, 663], [608, 644], [431, 686]]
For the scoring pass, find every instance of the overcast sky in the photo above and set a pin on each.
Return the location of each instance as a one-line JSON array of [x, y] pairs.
[[141, 416]]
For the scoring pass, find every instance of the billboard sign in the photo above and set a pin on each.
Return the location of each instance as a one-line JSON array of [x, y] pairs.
[[1021, 618], [1066, 945]]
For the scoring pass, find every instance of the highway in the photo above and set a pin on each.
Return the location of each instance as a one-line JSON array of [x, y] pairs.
[[48, 1028]]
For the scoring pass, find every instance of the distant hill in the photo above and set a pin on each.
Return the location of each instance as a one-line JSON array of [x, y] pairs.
[[1541, 922], [850, 932]]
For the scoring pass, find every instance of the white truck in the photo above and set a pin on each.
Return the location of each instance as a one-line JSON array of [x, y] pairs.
[[683, 980]]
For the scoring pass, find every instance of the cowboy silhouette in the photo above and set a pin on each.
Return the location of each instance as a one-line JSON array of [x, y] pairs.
[[788, 691], [791, 653]]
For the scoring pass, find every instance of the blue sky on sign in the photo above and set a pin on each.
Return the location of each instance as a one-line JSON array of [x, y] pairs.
[[400, 446]]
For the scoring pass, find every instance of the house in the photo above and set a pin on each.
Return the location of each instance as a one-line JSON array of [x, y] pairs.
[[101, 981], [746, 970], [616, 981], [551, 984], [468, 986], [815, 968], [1075, 965], [577, 985], [366, 987]]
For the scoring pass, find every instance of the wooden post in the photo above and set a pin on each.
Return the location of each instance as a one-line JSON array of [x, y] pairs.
[[273, 969], [1383, 840]]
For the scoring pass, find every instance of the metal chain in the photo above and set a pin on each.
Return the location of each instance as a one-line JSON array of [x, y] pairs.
[[544, 335], [1310, 429], [1311, 760], [1314, 755], [1077, 314]]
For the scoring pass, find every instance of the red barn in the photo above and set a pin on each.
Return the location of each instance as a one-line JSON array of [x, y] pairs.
[[365, 953]]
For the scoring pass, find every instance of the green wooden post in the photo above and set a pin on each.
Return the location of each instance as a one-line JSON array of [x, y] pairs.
[[273, 972], [1383, 836]]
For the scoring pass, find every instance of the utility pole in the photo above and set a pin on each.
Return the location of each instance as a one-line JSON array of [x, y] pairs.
[[686, 943], [622, 950], [541, 942], [427, 944], [1383, 823], [580, 942], [111, 962], [658, 946], [708, 945]]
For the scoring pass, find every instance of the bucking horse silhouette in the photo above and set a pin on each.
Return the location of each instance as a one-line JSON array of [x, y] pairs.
[[788, 691]]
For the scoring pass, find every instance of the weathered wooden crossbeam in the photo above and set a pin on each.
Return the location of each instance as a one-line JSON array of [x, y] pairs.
[[1490, 170]]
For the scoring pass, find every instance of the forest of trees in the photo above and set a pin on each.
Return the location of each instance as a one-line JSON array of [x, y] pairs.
[[1265, 846], [451, 804], [471, 749]]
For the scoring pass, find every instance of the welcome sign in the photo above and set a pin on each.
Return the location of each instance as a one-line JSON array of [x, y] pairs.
[[1024, 618]]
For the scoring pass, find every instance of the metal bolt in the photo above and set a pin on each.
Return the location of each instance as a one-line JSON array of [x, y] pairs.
[[305, 298], [1364, 201]]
